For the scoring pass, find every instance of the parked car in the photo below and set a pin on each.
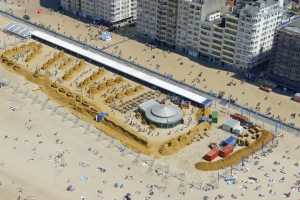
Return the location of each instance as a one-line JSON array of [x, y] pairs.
[[265, 88], [296, 97]]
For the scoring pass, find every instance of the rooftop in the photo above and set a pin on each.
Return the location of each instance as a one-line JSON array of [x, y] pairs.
[[232, 123], [121, 66], [18, 29], [168, 115], [163, 111]]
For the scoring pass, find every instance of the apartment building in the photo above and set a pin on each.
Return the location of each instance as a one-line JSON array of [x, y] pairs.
[[52, 4], [157, 20], [257, 25], [167, 21], [147, 18], [73, 6], [241, 37], [112, 12], [191, 15], [222, 45], [285, 62]]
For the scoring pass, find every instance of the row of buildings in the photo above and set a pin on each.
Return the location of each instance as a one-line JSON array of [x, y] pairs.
[[240, 34], [110, 12], [236, 33], [285, 62]]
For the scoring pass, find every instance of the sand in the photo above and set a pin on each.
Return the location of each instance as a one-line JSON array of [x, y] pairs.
[[116, 124], [43, 153], [165, 62]]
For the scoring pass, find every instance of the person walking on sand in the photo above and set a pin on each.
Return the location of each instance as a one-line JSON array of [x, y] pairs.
[[20, 191]]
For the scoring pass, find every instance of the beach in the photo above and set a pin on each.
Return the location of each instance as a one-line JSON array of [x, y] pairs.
[[43, 156], [49, 153], [165, 62]]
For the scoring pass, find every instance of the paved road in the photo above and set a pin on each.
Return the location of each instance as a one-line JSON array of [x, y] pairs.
[[278, 125]]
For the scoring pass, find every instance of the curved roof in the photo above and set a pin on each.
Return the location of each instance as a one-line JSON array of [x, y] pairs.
[[163, 111], [163, 114]]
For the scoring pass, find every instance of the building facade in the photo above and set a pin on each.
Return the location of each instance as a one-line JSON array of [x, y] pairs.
[[157, 20], [285, 63], [210, 29], [52, 4], [221, 43], [73, 6], [112, 12], [191, 15], [257, 24], [147, 18]]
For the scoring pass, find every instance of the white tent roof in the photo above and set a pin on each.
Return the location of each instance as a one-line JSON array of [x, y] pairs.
[[163, 111], [232, 123], [118, 65], [18, 29]]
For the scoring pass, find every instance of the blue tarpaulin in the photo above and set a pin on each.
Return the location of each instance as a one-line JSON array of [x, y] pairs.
[[100, 116], [231, 140]]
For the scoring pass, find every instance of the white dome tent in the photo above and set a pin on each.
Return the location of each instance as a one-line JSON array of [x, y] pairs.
[[164, 116]]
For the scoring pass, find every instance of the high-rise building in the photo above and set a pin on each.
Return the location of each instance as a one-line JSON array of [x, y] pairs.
[[257, 24], [241, 37], [285, 62], [147, 18], [52, 4], [109, 11], [166, 20], [157, 20], [73, 6], [218, 39], [191, 15]]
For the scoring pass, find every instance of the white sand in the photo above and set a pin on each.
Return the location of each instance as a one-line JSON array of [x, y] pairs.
[[35, 138], [180, 67], [30, 156]]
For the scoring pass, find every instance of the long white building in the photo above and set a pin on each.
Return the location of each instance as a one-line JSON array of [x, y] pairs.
[[241, 38], [121, 66], [109, 11]]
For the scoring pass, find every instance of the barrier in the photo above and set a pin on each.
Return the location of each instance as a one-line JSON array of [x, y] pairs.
[[260, 116]]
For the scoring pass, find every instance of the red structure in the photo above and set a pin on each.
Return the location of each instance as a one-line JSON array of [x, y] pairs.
[[239, 117], [211, 155], [227, 150]]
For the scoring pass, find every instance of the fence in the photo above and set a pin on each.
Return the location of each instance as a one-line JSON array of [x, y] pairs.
[[266, 119]]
